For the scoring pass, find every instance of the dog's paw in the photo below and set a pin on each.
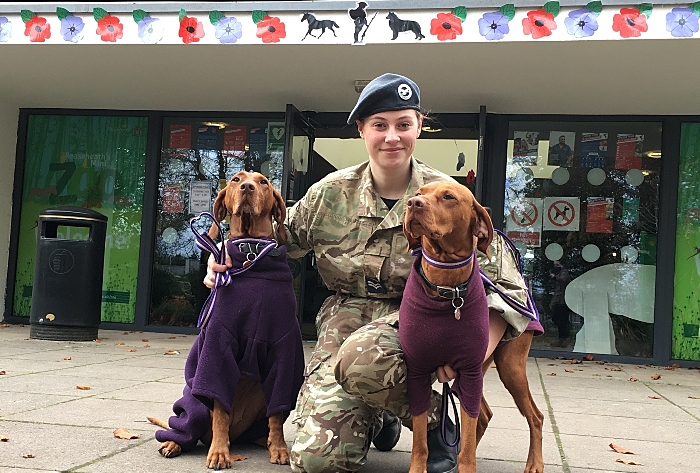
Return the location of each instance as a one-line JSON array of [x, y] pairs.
[[170, 449], [280, 456], [217, 460]]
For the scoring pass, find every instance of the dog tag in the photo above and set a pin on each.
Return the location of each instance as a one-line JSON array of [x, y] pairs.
[[458, 313]]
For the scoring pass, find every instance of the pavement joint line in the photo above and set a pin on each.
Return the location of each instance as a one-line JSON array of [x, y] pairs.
[[673, 403], [552, 420], [109, 455]]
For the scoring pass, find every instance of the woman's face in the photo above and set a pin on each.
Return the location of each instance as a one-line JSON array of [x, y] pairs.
[[390, 137]]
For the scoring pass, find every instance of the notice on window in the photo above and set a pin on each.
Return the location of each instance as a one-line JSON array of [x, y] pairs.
[[594, 150], [561, 214], [599, 214], [275, 136], [630, 210], [629, 151], [207, 139], [525, 144], [200, 196], [180, 136], [172, 199], [524, 221], [234, 141]]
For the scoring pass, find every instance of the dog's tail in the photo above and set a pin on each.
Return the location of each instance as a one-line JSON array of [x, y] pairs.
[[158, 422]]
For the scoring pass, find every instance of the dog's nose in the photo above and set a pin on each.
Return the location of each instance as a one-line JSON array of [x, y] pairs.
[[416, 202], [247, 186]]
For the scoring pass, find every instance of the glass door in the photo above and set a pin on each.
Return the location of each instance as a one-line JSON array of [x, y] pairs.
[[298, 152], [198, 156]]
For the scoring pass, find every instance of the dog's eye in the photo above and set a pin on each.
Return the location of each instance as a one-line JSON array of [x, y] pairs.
[[235, 179], [448, 197], [263, 181]]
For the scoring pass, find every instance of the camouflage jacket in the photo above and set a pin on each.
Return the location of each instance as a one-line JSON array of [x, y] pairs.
[[358, 242]]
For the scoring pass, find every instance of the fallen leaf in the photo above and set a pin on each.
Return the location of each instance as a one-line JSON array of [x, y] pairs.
[[569, 371], [82, 387], [2, 372], [97, 340], [4, 438], [670, 368], [627, 462], [634, 379], [169, 338], [172, 352], [66, 358], [619, 449], [573, 361], [27, 455], [144, 339], [596, 374], [588, 357], [130, 350], [147, 345], [119, 343], [693, 397], [125, 333], [4, 325], [237, 458], [552, 374], [613, 369], [637, 366], [656, 376], [676, 365], [122, 433], [653, 397]]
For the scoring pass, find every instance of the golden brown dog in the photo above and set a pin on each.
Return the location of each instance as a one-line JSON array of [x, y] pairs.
[[448, 223], [445, 220], [252, 204]]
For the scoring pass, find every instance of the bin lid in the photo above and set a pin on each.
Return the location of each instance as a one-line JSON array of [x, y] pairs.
[[69, 211]]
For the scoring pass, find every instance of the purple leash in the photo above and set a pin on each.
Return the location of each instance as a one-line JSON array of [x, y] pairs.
[[206, 243]]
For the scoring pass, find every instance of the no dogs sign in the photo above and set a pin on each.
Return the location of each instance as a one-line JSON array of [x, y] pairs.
[[561, 213]]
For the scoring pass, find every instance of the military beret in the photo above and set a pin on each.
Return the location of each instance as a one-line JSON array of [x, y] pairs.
[[386, 93]]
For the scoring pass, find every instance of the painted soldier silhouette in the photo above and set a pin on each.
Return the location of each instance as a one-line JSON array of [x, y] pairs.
[[359, 16]]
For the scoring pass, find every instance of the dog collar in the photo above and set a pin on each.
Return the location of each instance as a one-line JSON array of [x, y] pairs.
[[447, 292], [441, 264]]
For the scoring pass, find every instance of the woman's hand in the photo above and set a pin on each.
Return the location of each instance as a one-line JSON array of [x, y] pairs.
[[445, 373], [213, 267]]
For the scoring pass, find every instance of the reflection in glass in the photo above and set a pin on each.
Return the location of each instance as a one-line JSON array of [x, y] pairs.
[[579, 214]]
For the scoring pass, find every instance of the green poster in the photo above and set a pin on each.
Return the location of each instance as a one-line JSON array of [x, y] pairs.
[[93, 162], [686, 294]]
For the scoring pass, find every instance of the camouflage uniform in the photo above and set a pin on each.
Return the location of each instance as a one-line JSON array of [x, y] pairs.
[[361, 253]]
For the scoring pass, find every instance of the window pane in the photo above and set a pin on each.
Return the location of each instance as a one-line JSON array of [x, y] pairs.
[[93, 162], [197, 159], [686, 300], [581, 204]]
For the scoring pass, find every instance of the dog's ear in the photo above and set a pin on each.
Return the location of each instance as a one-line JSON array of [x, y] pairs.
[[220, 210], [279, 213], [483, 228]]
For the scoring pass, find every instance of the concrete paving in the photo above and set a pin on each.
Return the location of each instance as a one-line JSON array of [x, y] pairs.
[[52, 426]]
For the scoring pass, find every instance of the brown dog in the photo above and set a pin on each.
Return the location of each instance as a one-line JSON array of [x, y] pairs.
[[444, 219], [448, 223], [252, 203]]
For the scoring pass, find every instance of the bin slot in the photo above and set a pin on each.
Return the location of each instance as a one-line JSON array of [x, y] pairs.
[[66, 232]]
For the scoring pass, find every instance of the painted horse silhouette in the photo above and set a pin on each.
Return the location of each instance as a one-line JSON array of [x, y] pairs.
[[315, 24]]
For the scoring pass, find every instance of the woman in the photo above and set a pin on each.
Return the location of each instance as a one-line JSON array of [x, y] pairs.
[[352, 221]]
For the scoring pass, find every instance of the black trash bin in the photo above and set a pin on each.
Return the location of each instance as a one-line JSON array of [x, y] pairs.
[[67, 292]]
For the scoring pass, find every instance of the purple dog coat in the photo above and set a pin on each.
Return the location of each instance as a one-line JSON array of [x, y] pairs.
[[253, 331], [431, 336]]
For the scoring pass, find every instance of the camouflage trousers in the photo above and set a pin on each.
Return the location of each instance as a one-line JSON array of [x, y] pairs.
[[355, 371]]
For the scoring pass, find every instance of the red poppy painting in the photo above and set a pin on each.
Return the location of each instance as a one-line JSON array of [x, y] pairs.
[[270, 29], [37, 29], [191, 30], [109, 28], [539, 23], [630, 23], [446, 26]]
